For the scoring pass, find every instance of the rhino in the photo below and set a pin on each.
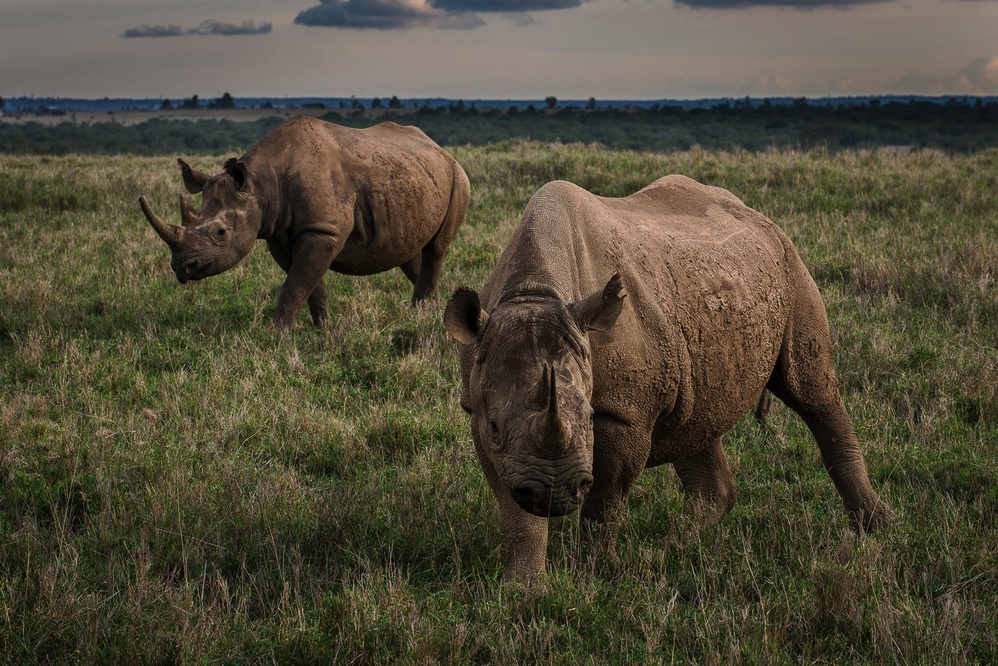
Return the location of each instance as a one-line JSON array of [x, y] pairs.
[[324, 197], [618, 334]]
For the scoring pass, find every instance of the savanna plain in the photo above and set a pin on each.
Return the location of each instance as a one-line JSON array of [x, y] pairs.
[[180, 485]]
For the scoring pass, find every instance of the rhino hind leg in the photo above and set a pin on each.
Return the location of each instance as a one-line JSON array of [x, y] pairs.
[[805, 380], [843, 459], [423, 270], [318, 305], [431, 256], [707, 481], [423, 285], [411, 269], [426, 266]]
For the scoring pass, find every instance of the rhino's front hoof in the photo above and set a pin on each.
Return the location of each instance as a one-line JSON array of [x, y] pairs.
[[283, 329], [523, 577], [873, 519]]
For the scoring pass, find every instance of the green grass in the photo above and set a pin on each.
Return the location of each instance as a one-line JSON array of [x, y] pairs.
[[179, 485]]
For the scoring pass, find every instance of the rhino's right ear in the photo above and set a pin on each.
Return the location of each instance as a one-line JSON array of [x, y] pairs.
[[194, 180], [464, 317]]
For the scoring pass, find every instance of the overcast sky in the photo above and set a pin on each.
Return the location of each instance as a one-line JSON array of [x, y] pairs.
[[497, 49]]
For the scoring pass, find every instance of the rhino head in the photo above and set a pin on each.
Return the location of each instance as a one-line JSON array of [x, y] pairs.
[[218, 236], [529, 390]]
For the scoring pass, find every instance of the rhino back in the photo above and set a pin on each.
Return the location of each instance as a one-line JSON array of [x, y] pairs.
[[707, 281], [386, 188]]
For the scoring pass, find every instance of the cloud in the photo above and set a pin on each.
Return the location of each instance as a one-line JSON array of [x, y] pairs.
[[209, 27], [981, 75], [213, 27], [768, 84], [790, 4], [504, 5], [154, 31], [375, 14], [400, 14], [978, 77]]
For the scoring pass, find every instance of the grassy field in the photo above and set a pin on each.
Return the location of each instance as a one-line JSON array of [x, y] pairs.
[[178, 485]]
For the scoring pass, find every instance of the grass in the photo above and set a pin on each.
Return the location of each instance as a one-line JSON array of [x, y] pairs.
[[177, 485]]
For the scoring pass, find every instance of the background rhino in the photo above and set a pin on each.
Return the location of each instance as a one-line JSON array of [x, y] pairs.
[[575, 384], [356, 201]]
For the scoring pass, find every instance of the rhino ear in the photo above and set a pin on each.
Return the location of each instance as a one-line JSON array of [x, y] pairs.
[[194, 180], [599, 310], [237, 169], [464, 317]]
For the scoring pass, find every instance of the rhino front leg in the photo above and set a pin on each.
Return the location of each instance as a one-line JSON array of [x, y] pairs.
[[318, 300], [524, 535], [620, 453], [707, 481], [525, 538], [311, 257]]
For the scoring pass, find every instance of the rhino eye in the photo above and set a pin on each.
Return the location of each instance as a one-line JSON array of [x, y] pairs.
[[592, 415], [496, 434]]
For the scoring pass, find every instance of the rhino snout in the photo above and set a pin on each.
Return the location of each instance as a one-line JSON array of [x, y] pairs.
[[541, 499], [186, 269]]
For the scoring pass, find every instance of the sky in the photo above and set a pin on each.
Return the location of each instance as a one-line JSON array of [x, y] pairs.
[[497, 49]]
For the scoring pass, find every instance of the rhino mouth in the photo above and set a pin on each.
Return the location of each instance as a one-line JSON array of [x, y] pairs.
[[546, 501], [193, 270]]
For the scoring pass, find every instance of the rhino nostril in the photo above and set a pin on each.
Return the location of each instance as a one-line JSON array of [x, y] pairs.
[[192, 266], [585, 485]]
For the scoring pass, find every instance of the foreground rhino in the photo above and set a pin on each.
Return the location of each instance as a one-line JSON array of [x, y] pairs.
[[575, 383], [356, 201]]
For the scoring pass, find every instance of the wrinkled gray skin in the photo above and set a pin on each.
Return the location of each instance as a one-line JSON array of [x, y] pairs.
[[324, 197], [619, 334]]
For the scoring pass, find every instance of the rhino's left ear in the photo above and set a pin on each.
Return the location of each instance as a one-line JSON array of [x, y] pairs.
[[599, 310], [237, 169], [194, 180], [464, 317]]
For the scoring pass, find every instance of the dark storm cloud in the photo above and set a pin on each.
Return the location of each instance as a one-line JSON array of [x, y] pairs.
[[376, 14], [398, 14], [212, 27], [504, 5], [154, 31], [209, 27], [792, 4]]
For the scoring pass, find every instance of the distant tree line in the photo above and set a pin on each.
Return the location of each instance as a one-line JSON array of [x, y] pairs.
[[955, 126], [226, 101]]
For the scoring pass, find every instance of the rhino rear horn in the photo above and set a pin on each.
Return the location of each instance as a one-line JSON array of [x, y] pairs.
[[188, 216], [170, 233]]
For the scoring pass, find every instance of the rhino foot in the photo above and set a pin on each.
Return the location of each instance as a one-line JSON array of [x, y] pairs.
[[872, 519]]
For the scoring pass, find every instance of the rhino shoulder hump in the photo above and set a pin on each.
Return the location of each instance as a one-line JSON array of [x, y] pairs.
[[557, 194]]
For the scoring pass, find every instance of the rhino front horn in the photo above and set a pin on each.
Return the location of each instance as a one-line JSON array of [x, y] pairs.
[[554, 433], [170, 233]]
